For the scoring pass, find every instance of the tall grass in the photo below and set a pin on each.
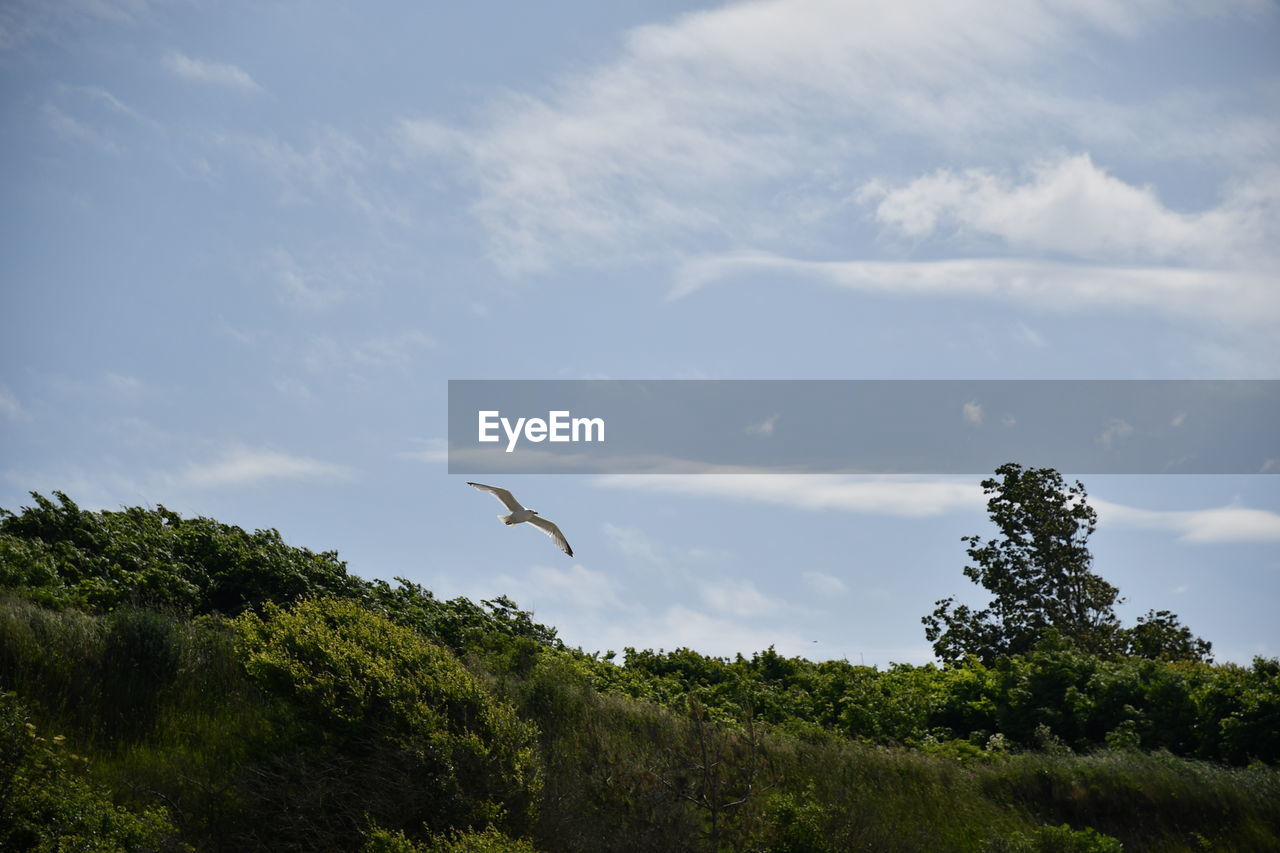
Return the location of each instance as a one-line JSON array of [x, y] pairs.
[[1147, 801]]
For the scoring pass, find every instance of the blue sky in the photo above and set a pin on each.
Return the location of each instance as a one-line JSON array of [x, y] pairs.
[[245, 245]]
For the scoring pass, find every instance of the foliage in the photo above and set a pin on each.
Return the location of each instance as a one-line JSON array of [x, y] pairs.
[[1056, 839], [1160, 635], [64, 555], [1055, 695], [488, 840], [1040, 578], [46, 804], [358, 683], [1038, 573], [333, 713], [460, 623]]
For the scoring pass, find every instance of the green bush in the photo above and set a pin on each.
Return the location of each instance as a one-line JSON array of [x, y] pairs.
[[63, 555], [408, 735]]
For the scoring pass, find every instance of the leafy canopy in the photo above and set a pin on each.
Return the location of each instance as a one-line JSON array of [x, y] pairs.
[[1038, 572]]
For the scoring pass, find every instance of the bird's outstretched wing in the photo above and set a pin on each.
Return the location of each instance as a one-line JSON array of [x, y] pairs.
[[553, 532], [508, 499]]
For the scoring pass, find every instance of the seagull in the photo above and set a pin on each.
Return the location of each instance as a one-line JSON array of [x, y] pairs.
[[520, 514]]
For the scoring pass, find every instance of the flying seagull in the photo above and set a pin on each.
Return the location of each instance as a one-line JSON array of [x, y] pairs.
[[519, 514]]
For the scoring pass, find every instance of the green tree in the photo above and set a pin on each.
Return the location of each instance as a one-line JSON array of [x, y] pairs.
[[1160, 635], [1038, 573]]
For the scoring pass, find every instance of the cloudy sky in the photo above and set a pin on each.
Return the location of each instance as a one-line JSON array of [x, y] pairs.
[[245, 245]]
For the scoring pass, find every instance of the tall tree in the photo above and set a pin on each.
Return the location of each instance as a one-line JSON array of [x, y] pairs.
[[1038, 573]]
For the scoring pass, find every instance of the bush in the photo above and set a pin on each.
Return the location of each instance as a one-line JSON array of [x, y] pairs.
[[406, 734], [63, 555]]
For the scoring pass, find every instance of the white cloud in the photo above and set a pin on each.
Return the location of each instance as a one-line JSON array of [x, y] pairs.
[[25, 20], [632, 542], [102, 96], [434, 450], [593, 610], [241, 466], [1115, 432], [1070, 205], [108, 384], [877, 495], [972, 413], [95, 489], [10, 407], [71, 129], [781, 97], [824, 584], [424, 137], [735, 597], [764, 428], [122, 384], [576, 586], [204, 71], [398, 349], [313, 286], [914, 497], [1230, 298], [665, 563], [682, 626], [1029, 336], [1218, 525], [394, 350], [331, 166]]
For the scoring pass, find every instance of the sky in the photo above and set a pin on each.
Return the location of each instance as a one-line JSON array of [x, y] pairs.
[[244, 247]]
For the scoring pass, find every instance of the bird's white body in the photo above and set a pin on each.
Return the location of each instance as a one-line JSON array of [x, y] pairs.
[[519, 515]]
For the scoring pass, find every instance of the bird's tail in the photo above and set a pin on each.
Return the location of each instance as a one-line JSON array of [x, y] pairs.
[[505, 519]]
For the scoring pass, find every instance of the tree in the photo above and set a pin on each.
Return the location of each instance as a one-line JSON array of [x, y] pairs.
[[1159, 635], [1038, 574]]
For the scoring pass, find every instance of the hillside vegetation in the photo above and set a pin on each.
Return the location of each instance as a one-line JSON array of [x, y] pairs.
[[171, 683]]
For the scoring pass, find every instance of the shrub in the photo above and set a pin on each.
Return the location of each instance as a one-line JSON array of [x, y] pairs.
[[63, 555], [395, 722]]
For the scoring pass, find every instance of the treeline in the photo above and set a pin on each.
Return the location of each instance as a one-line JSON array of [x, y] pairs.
[[1055, 696], [176, 683]]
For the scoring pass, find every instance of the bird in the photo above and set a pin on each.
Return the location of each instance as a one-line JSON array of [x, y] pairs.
[[520, 514]]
